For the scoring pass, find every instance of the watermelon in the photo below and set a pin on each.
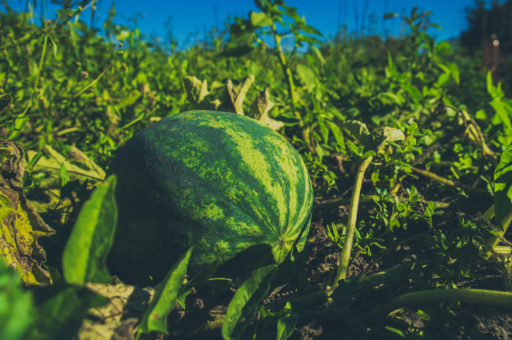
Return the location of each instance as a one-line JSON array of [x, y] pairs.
[[219, 181]]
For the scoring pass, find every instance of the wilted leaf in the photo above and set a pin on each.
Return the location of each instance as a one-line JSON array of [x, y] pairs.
[[59, 311], [79, 157], [261, 105], [120, 316], [196, 90], [21, 225], [244, 304], [85, 255], [235, 94], [165, 297], [360, 132], [16, 312], [387, 134], [50, 165]]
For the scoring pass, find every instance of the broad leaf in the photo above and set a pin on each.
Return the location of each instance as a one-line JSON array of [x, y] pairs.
[[244, 304], [85, 255], [155, 318], [129, 100], [307, 76], [260, 19]]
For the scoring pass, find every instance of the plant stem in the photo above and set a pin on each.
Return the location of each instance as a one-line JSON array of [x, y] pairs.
[[341, 274], [490, 297], [291, 87], [94, 81]]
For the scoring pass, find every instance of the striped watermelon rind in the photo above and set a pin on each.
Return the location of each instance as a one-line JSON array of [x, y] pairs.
[[219, 181]]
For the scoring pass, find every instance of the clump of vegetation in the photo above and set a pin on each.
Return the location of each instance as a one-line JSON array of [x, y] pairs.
[[408, 157]]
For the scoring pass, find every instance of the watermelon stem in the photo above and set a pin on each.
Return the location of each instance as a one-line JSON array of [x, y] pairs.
[[341, 273]]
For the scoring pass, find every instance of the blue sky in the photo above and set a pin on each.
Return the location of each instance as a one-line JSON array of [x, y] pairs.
[[196, 16]]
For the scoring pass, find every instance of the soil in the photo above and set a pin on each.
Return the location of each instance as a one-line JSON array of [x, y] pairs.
[[464, 321]]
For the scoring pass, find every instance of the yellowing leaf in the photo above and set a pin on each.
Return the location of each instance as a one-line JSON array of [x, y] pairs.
[[20, 225]]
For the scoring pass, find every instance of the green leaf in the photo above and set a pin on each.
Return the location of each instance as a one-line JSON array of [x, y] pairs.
[[5, 100], [369, 153], [323, 129], [454, 69], [480, 114], [155, 318], [318, 54], [16, 305], [129, 100], [64, 176], [245, 302], [396, 331], [503, 189], [443, 79], [413, 92], [307, 76], [286, 325], [338, 135], [503, 112], [444, 48], [260, 19], [85, 255], [391, 66], [59, 311]]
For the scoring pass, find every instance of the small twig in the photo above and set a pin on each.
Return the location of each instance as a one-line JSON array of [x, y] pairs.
[[448, 182]]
